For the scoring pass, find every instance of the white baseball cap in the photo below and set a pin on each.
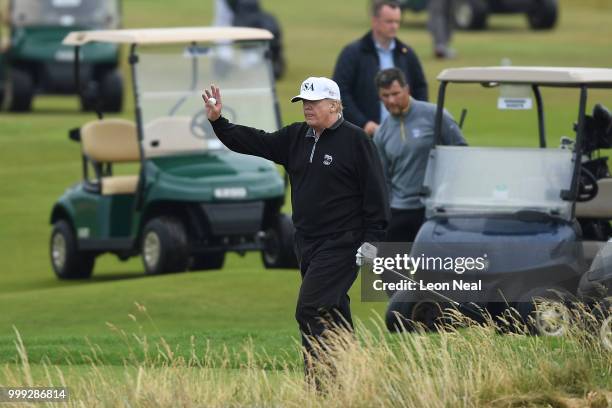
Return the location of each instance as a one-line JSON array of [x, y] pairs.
[[317, 88]]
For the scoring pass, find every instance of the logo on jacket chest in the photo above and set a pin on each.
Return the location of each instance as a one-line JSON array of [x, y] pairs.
[[327, 159]]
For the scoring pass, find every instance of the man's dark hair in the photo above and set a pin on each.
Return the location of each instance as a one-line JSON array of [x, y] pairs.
[[378, 4], [386, 77]]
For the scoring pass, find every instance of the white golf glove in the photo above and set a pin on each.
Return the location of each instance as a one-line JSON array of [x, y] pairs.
[[365, 254]]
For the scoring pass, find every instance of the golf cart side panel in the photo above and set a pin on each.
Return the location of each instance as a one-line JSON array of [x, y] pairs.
[[521, 254], [90, 213]]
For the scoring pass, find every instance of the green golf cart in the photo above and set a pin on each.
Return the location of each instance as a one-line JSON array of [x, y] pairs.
[[35, 61], [163, 186]]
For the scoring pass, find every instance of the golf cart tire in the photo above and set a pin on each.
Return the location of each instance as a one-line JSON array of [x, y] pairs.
[[111, 90], [22, 93], [208, 261], [528, 314], [470, 14], [543, 15], [278, 251], [75, 264], [406, 313], [165, 237], [88, 99]]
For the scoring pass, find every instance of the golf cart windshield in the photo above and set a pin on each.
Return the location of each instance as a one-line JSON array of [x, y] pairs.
[[489, 180], [170, 83], [81, 13]]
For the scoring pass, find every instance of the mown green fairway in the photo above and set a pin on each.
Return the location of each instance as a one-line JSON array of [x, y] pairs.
[[37, 162]]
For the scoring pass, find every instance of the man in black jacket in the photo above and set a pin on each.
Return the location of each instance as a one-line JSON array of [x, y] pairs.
[[338, 196], [359, 62]]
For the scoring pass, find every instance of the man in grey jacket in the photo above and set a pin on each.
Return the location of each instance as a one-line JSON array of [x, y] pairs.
[[404, 140]]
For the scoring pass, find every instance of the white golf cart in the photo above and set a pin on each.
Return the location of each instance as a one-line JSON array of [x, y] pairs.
[[537, 214]]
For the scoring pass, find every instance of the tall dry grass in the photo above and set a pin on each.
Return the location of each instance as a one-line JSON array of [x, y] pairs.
[[465, 365]]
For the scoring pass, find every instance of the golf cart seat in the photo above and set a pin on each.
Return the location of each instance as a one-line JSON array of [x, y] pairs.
[[171, 134], [601, 205], [109, 141], [4, 44]]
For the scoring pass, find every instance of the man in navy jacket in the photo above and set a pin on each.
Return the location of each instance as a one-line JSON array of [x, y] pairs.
[[360, 61]]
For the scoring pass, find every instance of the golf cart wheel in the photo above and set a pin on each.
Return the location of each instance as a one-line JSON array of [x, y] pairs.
[[278, 249], [111, 92], [67, 261], [213, 260], [164, 246], [410, 311], [22, 91], [470, 14], [88, 97], [543, 14], [545, 311]]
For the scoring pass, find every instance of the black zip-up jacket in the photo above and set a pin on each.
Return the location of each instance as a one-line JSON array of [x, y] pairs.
[[337, 182], [356, 68]]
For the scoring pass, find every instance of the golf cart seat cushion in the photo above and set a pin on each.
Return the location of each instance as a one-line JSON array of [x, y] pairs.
[[119, 185], [110, 141], [171, 134], [601, 205]]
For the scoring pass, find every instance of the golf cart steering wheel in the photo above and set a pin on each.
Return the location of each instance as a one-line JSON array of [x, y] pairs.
[[587, 185], [200, 126]]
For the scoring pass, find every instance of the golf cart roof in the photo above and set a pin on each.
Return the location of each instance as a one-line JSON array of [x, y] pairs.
[[167, 35], [549, 76]]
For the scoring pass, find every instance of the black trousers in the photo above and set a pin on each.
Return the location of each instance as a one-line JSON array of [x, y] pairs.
[[405, 224], [328, 269]]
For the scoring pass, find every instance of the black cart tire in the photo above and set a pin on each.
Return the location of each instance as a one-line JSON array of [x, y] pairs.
[[208, 261], [545, 311], [470, 14], [88, 96], [164, 246], [543, 14], [22, 92], [111, 92], [67, 261], [278, 251], [410, 311]]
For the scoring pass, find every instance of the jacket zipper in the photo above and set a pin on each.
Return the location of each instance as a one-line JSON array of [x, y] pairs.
[[314, 146]]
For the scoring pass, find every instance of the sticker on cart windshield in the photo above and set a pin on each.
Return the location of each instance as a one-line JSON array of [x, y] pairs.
[[66, 3], [515, 97]]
